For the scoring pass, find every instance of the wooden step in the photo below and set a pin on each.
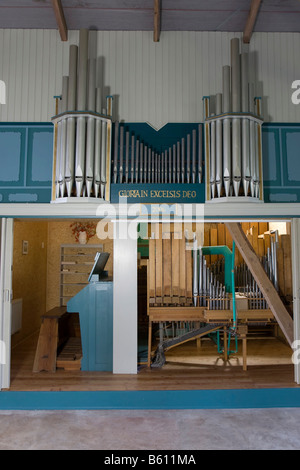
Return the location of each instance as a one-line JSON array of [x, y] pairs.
[[70, 356]]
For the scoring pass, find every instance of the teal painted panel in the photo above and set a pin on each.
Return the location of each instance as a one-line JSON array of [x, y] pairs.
[[40, 156], [153, 400], [101, 335], [271, 157], [26, 195], [291, 153], [26, 154], [281, 144], [94, 304], [12, 155]]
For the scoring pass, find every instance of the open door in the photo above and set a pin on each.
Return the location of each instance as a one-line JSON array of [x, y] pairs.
[[6, 259]]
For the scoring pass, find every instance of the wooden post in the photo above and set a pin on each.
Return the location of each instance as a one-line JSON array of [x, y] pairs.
[[244, 339], [60, 19], [157, 13], [267, 288], [255, 5]]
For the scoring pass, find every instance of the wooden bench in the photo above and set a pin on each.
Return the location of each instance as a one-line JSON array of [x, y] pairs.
[[57, 327]]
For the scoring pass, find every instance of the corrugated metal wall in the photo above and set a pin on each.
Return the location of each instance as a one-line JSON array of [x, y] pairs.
[[152, 82]]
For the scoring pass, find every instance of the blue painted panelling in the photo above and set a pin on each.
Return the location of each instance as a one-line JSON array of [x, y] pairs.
[[40, 156], [26, 154], [12, 145], [281, 149], [152, 400], [95, 306]]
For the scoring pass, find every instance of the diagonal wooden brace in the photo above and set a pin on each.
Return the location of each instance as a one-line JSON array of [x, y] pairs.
[[266, 286]]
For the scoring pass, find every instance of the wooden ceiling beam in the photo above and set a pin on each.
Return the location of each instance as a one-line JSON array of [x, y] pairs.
[[266, 286], [60, 19], [255, 5], [157, 20]]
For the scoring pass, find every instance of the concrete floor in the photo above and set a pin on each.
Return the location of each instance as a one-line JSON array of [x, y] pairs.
[[253, 429]]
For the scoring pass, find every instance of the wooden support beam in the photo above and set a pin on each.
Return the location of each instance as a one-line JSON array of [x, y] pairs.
[[60, 19], [267, 288], [255, 5], [157, 20]]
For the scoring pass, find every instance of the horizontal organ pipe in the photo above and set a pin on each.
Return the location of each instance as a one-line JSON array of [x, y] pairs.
[[233, 139], [83, 130]]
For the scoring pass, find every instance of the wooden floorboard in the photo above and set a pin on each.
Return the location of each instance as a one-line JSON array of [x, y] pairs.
[[186, 369]]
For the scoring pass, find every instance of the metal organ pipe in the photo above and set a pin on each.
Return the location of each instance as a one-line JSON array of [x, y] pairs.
[[252, 142], [245, 124], [83, 129], [103, 156], [226, 130], [90, 138], [81, 104], [71, 121], [233, 134], [236, 107], [62, 141], [218, 149], [116, 151], [98, 144], [212, 157]]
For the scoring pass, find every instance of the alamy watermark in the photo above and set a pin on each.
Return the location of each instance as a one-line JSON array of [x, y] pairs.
[[296, 94], [2, 92], [2, 353]]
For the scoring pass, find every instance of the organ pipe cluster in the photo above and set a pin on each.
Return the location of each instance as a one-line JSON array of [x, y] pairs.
[[233, 134], [208, 283], [83, 143], [246, 283], [138, 162]]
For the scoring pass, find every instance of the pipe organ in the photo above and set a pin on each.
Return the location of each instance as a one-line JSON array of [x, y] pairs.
[[233, 145], [136, 161], [82, 152]]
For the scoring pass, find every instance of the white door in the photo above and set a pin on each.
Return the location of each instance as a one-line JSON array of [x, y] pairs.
[[6, 259]]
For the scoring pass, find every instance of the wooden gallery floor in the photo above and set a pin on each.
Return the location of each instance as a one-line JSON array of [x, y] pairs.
[[187, 368]]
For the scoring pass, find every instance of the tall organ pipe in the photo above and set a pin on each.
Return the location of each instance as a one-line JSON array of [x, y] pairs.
[[226, 130], [199, 154], [182, 159], [81, 105], [178, 162], [236, 107], [257, 151], [127, 157], [104, 144], [188, 158], [71, 122], [137, 160], [116, 151], [62, 140], [212, 157], [194, 139], [219, 150], [132, 158], [245, 124], [98, 144], [90, 138], [252, 142], [58, 157]]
